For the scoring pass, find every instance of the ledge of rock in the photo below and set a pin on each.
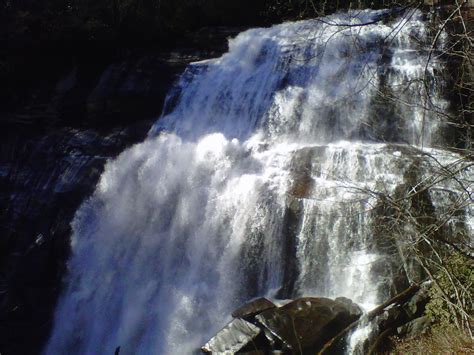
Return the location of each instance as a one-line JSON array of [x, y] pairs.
[[253, 308], [302, 326], [232, 338]]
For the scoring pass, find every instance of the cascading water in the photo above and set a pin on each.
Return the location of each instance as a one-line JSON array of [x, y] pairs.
[[254, 182]]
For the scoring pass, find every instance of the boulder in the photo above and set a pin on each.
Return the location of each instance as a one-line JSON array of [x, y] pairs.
[[304, 325], [416, 305], [352, 307], [233, 337], [415, 328], [253, 308]]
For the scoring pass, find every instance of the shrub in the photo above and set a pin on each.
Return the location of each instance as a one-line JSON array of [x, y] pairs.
[[451, 293], [441, 340]]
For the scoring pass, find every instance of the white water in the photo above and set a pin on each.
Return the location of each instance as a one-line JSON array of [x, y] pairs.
[[249, 186]]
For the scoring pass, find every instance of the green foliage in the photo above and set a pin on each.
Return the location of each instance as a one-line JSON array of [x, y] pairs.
[[451, 294]]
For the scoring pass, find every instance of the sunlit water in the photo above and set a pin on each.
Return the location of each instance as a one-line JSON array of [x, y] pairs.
[[254, 182]]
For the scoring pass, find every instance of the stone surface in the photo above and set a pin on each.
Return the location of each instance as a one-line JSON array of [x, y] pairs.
[[253, 308], [416, 306], [415, 328], [301, 168], [237, 334], [305, 324], [353, 308]]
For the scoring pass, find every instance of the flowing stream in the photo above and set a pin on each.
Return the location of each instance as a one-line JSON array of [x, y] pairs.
[[260, 179]]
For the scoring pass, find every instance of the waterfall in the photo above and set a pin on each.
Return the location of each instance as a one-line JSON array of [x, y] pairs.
[[260, 179]]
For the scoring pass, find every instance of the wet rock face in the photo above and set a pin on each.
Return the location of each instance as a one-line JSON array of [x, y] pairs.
[[44, 180], [301, 326]]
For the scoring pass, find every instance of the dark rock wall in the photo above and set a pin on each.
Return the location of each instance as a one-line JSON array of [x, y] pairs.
[[54, 142]]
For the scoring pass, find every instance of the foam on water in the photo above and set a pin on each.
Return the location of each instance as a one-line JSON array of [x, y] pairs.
[[252, 183]]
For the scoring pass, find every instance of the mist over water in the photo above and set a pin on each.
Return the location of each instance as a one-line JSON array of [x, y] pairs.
[[250, 185]]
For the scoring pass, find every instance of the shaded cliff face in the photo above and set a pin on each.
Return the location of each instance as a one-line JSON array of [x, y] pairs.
[[54, 144]]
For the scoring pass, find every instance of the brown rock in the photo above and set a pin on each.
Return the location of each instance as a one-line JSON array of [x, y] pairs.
[[253, 308], [304, 325]]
